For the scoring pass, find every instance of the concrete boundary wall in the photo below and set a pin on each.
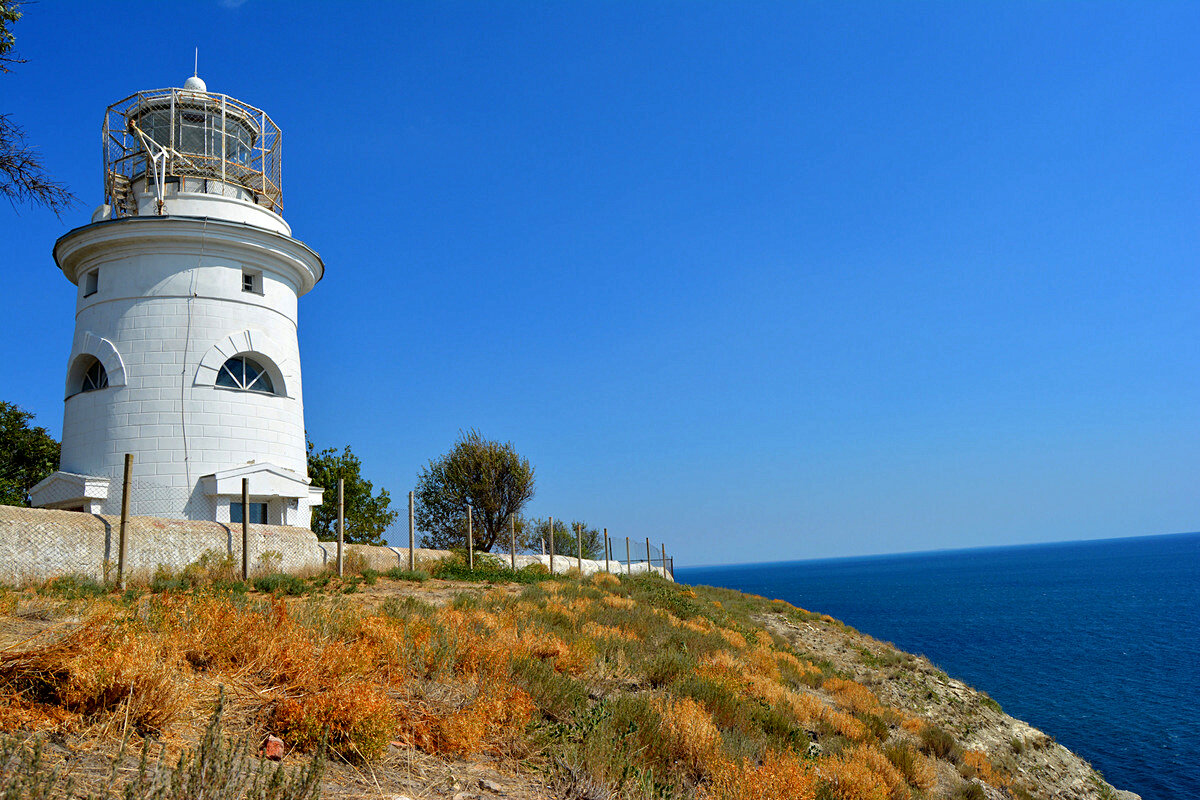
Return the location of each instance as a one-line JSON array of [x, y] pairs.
[[385, 558], [40, 543]]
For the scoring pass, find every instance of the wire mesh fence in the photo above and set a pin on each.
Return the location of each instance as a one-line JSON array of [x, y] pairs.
[[110, 493]]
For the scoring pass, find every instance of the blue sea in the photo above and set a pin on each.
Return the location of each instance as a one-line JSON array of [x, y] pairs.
[[1096, 643]]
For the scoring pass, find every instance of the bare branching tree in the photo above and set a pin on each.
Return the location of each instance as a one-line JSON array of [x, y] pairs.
[[23, 178]]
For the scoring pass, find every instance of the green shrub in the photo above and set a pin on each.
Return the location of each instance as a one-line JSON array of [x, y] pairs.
[[73, 587], [662, 593], [619, 743], [906, 760], [165, 580], [940, 743], [970, 791], [403, 608], [370, 576], [990, 703], [728, 709], [778, 725], [556, 695], [668, 665], [280, 584], [465, 601], [488, 569], [875, 724]]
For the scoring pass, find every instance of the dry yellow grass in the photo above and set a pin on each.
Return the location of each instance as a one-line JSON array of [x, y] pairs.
[[779, 775], [689, 732], [597, 631], [983, 768], [694, 691], [853, 697]]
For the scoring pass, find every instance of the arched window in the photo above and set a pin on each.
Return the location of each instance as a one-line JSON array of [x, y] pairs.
[[243, 373], [95, 377]]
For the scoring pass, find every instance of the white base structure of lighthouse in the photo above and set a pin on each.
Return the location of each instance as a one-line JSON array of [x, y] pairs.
[[185, 351]]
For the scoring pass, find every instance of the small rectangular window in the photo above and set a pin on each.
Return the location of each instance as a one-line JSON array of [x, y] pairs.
[[251, 281], [91, 283], [258, 513]]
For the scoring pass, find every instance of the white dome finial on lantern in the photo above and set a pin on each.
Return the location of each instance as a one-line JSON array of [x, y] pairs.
[[194, 84]]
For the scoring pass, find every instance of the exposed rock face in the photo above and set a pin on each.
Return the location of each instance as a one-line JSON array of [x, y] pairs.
[[1036, 762]]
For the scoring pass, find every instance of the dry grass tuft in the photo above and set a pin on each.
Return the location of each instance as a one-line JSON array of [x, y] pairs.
[[978, 763], [854, 697], [108, 663], [779, 775], [689, 733], [605, 580], [918, 770]]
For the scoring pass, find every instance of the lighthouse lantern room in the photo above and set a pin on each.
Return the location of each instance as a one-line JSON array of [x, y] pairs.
[[185, 351]]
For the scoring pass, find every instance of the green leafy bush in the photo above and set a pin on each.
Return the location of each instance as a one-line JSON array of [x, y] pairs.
[[940, 743], [73, 587], [280, 584], [399, 574]]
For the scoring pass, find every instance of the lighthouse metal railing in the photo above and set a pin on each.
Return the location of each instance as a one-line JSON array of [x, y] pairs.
[[211, 143]]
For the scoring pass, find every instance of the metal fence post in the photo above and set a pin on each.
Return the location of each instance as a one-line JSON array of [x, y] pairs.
[[664, 552], [606, 569], [579, 541], [341, 523], [649, 563], [412, 536], [628, 558], [245, 529], [512, 533], [551, 545], [122, 542]]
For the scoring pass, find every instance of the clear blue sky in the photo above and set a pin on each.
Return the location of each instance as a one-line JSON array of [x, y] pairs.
[[764, 281]]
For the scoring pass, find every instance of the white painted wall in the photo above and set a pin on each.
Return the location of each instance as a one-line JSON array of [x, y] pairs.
[[169, 306]]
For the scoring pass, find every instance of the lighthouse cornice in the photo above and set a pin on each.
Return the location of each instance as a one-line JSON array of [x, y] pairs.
[[76, 251]]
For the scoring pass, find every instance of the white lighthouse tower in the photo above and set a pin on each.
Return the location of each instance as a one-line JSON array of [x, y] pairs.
[[185, 350]]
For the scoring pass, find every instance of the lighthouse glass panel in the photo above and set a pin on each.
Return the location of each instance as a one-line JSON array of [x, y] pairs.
[[95, 378], [198, 133], [245, 374]]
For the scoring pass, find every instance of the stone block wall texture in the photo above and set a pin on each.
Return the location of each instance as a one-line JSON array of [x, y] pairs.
[[39, 543]]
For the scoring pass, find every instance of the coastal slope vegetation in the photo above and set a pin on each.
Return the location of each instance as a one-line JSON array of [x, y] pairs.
[[422, 684]]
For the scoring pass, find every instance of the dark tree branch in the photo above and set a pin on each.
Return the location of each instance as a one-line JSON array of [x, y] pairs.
[[23, 179]]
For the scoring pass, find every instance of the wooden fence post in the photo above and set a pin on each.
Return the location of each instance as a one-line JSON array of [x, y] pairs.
[[412, 536], [341, 523], [123, 540], [551, 545]]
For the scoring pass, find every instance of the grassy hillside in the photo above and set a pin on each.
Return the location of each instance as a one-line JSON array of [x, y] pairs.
[[538, 687]]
